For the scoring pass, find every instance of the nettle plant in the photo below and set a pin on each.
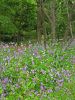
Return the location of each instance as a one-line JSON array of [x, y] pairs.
[[33, 72]]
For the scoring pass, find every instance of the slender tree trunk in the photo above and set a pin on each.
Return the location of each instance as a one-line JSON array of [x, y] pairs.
[[43, 25], [39, 20], [45, 36], [69, 19], [41, 30], [53, 18]]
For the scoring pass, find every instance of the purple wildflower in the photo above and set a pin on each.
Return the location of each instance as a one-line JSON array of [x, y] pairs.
[[8, 50], [7, 59], [33, 71], [24, 68], [4, 94], [17, 85], [35, 53], [4, 86], [60, 82], [15, 54], [5, 81], [58, 74], [66, 73], [49, 90], [42, 87]]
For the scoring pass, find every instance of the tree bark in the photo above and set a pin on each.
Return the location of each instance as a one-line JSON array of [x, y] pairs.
[[53, 18], [69, 19], [40, 22]]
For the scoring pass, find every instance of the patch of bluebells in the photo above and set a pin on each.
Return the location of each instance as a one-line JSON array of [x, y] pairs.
[[31, 71]]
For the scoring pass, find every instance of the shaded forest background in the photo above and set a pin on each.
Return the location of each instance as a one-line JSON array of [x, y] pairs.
[[22, 20]]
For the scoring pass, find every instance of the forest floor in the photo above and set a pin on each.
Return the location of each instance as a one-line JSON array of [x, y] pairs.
[[72, 43], [33, 73]]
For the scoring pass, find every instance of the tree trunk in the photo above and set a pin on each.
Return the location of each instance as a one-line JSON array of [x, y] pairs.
[[69, 19], [40, 22], [53, 18]]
